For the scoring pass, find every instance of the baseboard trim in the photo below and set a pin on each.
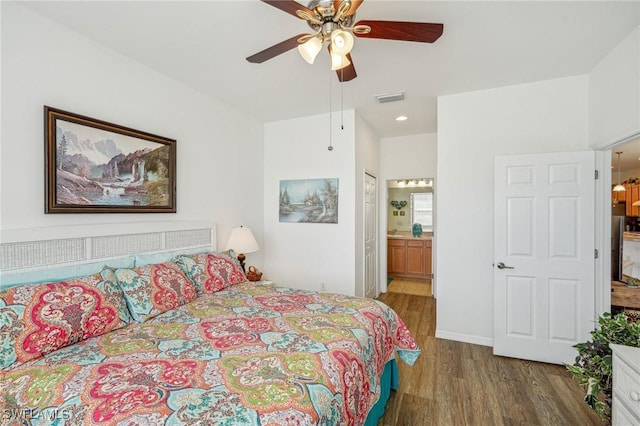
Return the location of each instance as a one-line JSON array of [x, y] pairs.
[[466, 338]]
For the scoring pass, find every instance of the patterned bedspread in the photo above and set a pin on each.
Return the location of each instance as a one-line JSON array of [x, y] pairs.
[[247, 355]]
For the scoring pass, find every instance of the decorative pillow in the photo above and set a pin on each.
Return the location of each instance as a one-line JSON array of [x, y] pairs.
[[211, 272], [38, 319], [153, 289]]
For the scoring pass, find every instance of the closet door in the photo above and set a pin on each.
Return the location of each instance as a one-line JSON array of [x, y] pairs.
[[370, 236]]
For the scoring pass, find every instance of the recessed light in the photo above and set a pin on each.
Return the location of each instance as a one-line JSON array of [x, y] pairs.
[[402, 118]]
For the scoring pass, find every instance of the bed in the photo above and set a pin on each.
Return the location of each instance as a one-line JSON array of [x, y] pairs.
[[179, 337]]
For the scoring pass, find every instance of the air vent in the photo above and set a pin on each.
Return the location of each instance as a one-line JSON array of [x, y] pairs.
[[390, 97]]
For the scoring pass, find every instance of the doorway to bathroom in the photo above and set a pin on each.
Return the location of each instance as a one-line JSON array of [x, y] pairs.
[[410, 235]]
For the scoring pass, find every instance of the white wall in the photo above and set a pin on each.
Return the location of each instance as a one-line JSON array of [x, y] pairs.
[[408, 157], [367, 160], [547, 116], [624, 174], [302, 255], [614, 116], [405, 157], [219, 150], [614, 94]]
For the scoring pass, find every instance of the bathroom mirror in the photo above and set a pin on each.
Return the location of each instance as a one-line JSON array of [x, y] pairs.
[[410, 201]]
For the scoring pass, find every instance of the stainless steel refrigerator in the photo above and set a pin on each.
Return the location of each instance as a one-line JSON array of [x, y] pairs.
[[617, 238]]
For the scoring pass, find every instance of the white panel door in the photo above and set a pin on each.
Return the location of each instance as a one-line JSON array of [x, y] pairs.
[[544, 283], [370, 239]]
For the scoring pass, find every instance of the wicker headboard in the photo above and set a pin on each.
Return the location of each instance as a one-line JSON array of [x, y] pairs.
[[39, 248]]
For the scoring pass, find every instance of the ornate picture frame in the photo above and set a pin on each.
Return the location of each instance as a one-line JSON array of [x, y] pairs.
[[92, 166]]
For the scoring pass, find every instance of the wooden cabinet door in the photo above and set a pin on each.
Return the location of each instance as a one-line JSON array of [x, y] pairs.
[[428, 253], [409, 258], [635, 196], [396, 257], [632, 194], [415, 257], [627, 206]]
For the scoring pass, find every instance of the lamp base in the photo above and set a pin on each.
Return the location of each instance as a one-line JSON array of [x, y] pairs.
[[241, 258]]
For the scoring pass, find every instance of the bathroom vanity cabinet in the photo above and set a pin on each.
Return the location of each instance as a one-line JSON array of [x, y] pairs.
[[409, 257]]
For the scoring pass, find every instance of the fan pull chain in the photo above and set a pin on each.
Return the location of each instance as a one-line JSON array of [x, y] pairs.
[[330, 148], [341, 99]]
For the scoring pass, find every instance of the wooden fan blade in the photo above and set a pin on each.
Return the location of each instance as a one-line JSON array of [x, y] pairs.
[[347, 73], [288, 6], [406, 31], [275, 50], [355, 4]]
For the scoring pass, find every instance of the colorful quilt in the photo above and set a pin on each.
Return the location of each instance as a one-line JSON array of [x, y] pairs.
[[246, 355]]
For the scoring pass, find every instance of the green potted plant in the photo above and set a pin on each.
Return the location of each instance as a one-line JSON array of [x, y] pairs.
[[593, 365]]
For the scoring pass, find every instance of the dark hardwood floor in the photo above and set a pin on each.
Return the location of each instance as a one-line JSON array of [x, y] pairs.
[[455, 383]]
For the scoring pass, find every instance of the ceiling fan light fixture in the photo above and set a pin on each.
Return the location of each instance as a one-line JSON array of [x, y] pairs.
[[339, 61], [310, 49], [341, 42], [334, 22]]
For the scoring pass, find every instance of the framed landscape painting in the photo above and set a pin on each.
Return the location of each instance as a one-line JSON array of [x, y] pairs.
[[309, 200], [92, 166]]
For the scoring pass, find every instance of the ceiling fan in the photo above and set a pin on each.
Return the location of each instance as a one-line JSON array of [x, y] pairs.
[[333, 21]]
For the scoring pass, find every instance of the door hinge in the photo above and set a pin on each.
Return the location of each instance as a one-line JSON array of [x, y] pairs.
[[596, 175], [595, 253]]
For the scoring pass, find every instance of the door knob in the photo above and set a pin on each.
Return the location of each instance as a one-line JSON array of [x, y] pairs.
[[501, 265]]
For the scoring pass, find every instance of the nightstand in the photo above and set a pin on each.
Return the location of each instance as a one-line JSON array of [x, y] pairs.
[[626, 385]]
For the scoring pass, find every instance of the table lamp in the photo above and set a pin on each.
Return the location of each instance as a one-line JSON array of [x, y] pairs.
[[242, 241]]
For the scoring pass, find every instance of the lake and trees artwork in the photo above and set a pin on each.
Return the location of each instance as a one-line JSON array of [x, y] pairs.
[[94, 166], [309, 200]]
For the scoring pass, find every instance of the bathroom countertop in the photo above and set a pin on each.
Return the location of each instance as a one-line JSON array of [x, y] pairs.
[[631, 236], [407, 235]]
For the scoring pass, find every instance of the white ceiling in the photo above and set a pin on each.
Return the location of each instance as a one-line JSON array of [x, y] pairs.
[[485, 44]]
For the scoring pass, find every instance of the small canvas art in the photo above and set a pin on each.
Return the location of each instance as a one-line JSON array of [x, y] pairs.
[[395, 212], [309, 200], [402, 213]]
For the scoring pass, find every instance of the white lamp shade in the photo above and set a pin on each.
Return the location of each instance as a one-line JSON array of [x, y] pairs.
[[338, 61], [341, 42], [242, 240], [310, 49], [619, 188]]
